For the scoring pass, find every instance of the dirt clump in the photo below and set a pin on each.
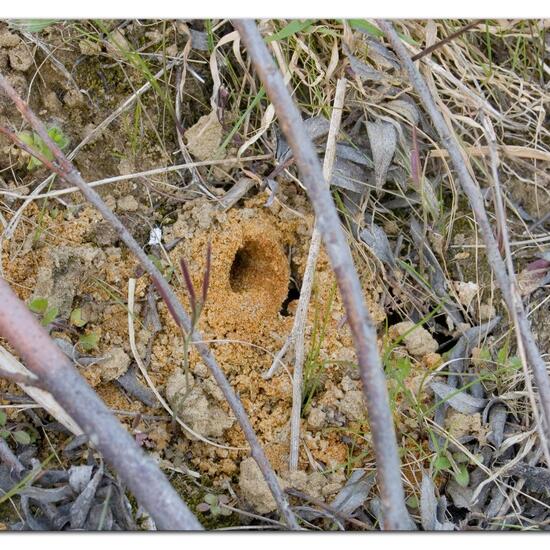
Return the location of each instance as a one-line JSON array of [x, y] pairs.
[[418, 341]]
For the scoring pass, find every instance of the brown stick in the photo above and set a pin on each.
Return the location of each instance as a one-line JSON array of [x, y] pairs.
[[471, 189], [445, 40], [58, 375], [66, 170], [363, 330]]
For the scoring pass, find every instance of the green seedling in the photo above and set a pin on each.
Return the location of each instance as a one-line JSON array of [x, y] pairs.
[[47, 314], [33, 140], [76, 318], [88, 342], [212, 503]]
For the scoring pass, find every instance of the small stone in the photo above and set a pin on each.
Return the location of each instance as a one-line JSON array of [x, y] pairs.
[[348, 384], [89, 47], [20, 58], [127, 204], [194, 408], [316, 419], [52, 103], [211, 388], [200, 369], [8, 39], [254, 487], [330, 489], [115, 365], [352, 405], [417, 339], [73, 98], [466, 292], [298, 480], [205, 137], [315, 483]]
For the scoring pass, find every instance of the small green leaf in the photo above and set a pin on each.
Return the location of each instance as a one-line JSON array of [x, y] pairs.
[[27, 138], [461, 458], [49, 316], [76, 317], [89, 341], [22, 437], [38, 305], [31, 25], [211, 499], [442, 463], [412, 502], [215, 510], [4, 434], [462, 477], [292, 28], [3, 418]]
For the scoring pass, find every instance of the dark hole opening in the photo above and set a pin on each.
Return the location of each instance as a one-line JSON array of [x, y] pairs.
[[293, 294], [239, 267]]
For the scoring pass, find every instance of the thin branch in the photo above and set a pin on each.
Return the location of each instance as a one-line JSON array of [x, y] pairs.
[[297, 335], [472, 191], [362, 328], [66, 170], [445, 40], [58, 375]]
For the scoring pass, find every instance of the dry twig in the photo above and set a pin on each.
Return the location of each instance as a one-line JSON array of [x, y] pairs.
[[297, 336]]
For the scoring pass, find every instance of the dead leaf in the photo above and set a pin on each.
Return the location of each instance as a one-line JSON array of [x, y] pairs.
[[383, 141]]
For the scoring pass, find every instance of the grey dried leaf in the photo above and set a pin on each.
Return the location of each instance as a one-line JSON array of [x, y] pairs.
[[406, 109], [95, 518], [316, 127], [460, 401], [33, 523], [129, 381], [380, 53], [383, 141], [361, 69], [348, 152], [348, 175], [354, 493], [47, 496], [428, 503], [537, 479], [461, 496], [430, 509], [496, 500], [81, 506], [236, 192], [376, 239], [79, 477], [460, 352], [495, 413]]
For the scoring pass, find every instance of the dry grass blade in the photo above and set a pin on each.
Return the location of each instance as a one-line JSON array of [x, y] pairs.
[[364, 333]]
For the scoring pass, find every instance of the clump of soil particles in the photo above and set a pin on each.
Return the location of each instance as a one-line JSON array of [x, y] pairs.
[[204, 342]]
